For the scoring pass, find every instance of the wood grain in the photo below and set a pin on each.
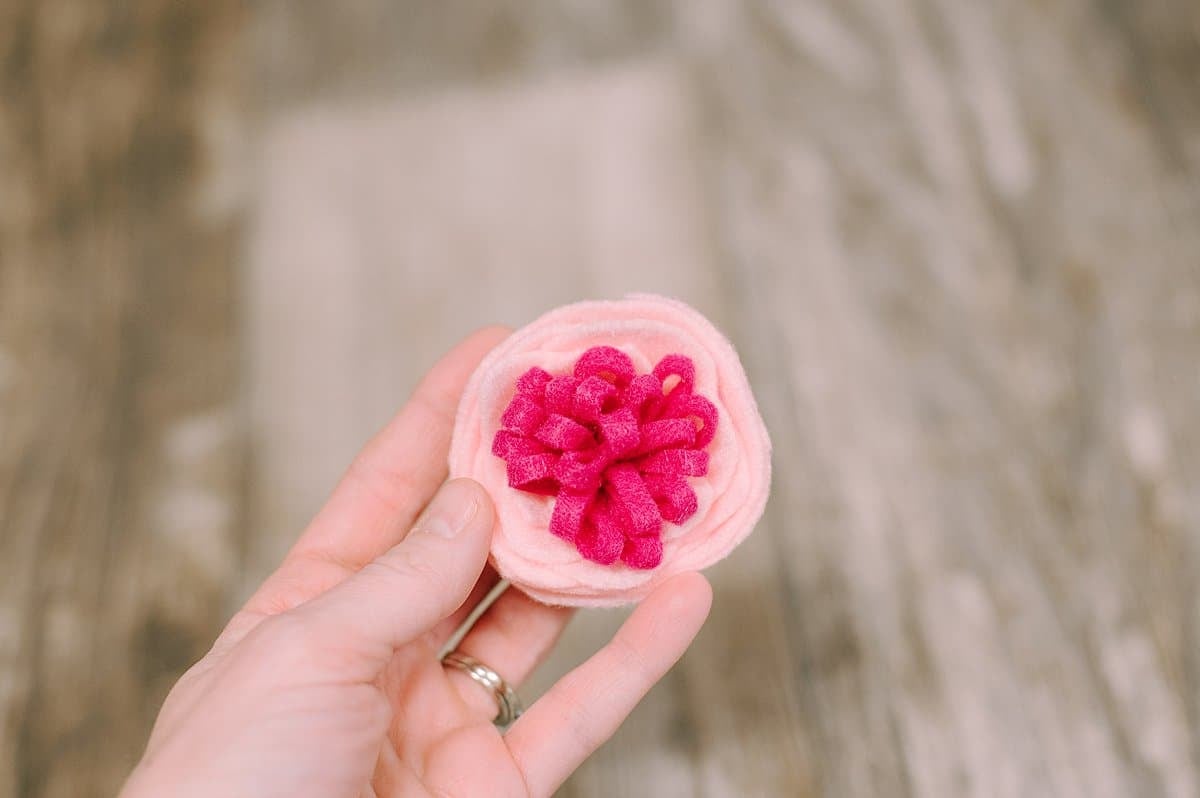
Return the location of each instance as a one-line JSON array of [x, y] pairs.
[[118, 452], [977, 256], [956, 243]]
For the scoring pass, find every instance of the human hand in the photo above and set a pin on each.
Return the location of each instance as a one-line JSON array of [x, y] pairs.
[[327, 683]]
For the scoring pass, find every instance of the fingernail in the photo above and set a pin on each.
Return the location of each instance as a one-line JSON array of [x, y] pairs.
[[450, 510]]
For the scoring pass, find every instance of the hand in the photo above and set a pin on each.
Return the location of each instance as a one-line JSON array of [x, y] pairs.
[[327, 682]]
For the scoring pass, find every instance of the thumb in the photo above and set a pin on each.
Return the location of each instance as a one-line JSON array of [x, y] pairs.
[[410, 587]]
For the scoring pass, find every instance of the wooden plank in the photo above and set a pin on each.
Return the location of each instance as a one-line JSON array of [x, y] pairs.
[[974, 262], [118, 464]]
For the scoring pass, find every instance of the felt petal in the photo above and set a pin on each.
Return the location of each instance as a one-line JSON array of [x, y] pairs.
[[508, 444], [643, 553], [569, 511], [523, 415], [532, 470], [605, 360], [533, 382], [564, 434], [628, 491], [591, 397], [666, 433], [560, 394], [677, 366], [601, 540], [685, 462]]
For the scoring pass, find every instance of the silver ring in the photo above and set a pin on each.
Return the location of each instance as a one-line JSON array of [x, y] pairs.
[[506, 698]]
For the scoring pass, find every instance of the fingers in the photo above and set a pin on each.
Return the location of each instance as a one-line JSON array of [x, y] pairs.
[[587, 705], [448, 627], [407, 589], [394, 475], [513, 637], [383, 490]]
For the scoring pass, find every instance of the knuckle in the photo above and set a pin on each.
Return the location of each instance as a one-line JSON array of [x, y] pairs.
[[286, 634], [383, 484], [582, 728], [631, 660], [437, 406], [409, 563]]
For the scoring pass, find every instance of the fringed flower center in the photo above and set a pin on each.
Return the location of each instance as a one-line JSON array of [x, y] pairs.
[[614, 447]]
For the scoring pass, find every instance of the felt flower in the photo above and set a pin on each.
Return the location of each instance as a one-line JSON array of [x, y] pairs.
[[621, 444]]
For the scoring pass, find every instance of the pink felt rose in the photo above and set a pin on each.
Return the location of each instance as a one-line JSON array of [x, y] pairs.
[[621, 444]]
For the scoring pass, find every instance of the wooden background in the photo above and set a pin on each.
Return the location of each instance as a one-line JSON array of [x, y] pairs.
[[957, 243]]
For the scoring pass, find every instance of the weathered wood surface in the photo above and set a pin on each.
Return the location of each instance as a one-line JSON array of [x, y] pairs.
[[958, 244], [118, 458]]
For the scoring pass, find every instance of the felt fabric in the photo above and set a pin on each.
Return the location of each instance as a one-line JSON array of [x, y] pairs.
[[587, 362], [616, 446]]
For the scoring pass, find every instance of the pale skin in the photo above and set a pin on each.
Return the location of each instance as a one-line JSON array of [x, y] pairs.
[[327, 682]]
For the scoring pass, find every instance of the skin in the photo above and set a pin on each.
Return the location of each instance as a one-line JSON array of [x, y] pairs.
[[327, 682]]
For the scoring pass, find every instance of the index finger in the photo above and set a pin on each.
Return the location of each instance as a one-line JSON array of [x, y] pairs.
[[384, 489]]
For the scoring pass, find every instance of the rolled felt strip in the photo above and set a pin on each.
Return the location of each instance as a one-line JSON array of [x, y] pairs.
[[621, 444]]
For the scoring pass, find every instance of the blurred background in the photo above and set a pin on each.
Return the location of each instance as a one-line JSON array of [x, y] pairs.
[[957, 243]]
